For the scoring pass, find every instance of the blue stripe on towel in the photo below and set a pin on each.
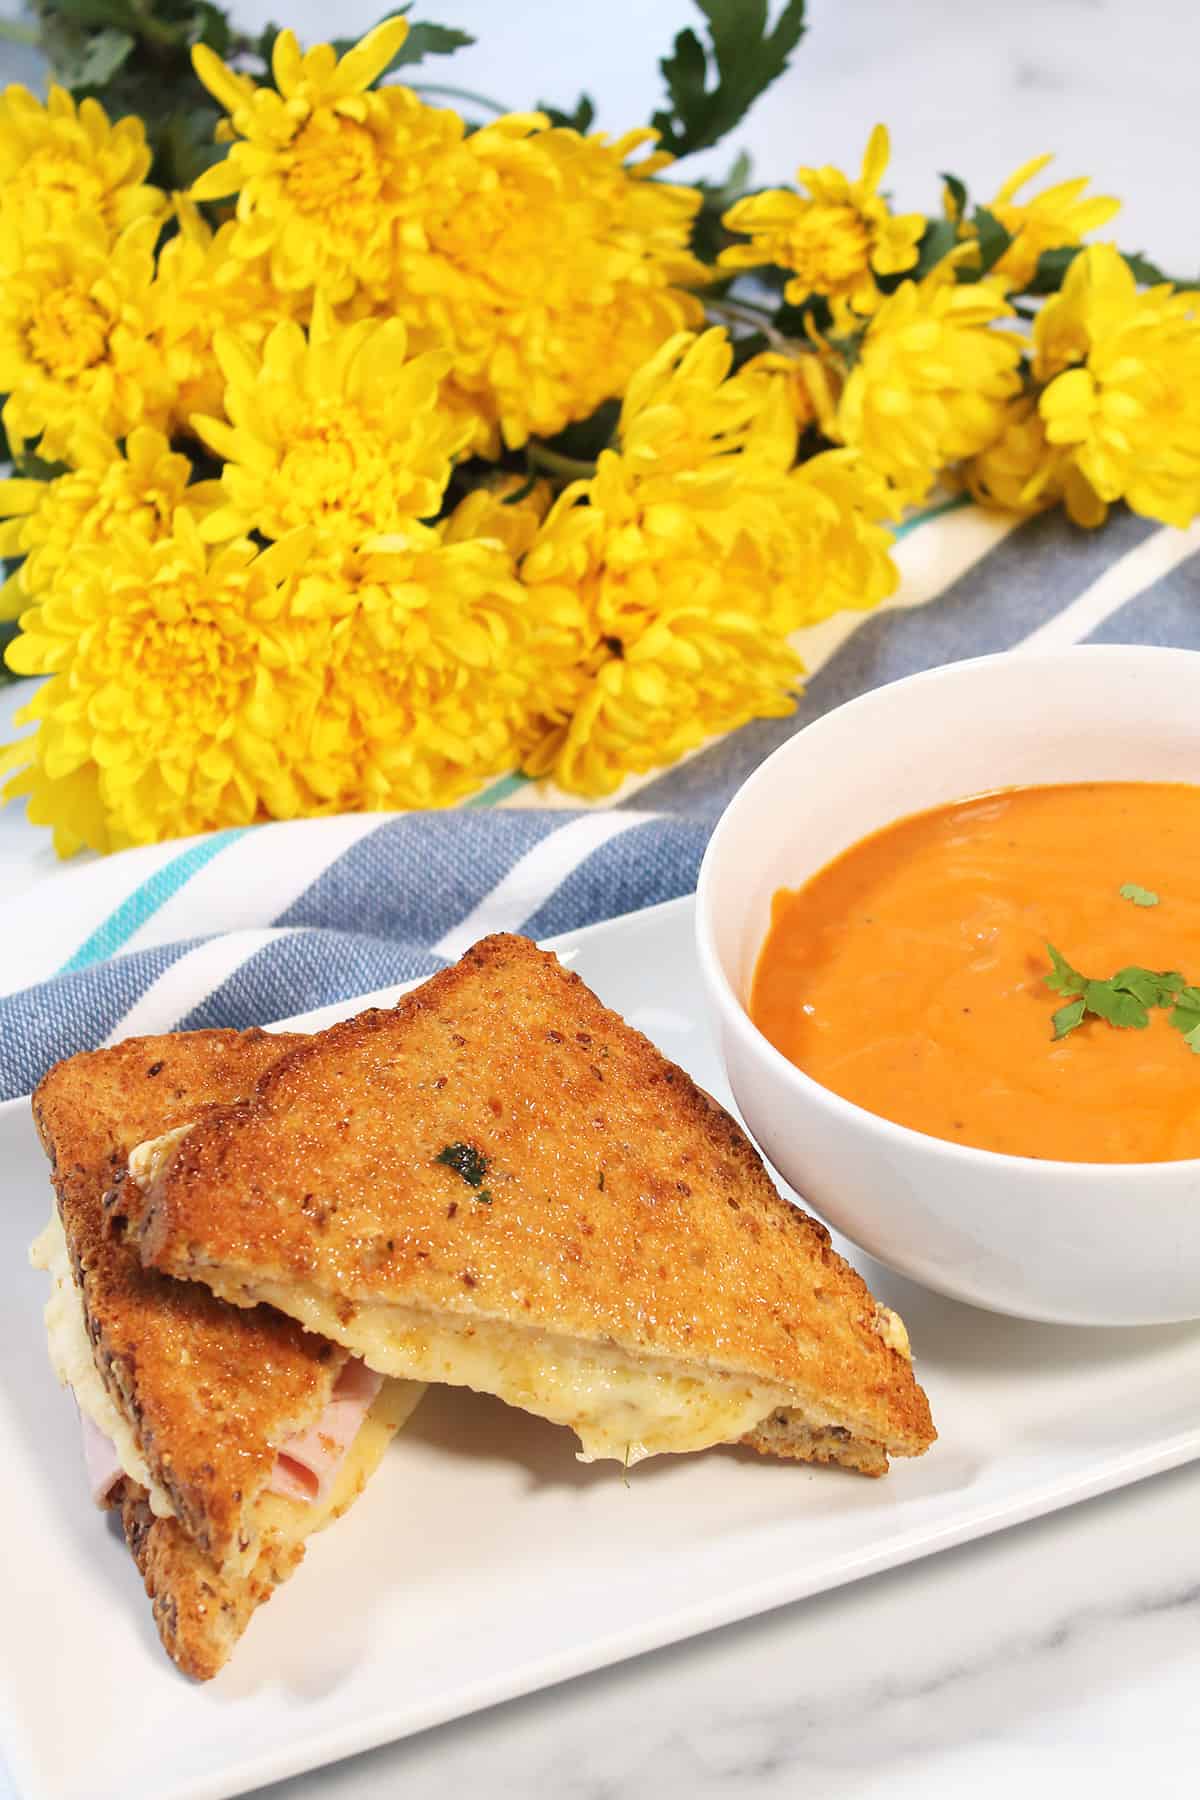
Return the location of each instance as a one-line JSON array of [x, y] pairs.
[[659, 860], [419, 875], [1167, 612], [74, 1012], [306, 969]]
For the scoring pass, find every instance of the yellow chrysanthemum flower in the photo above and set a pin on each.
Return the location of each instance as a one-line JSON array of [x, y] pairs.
[[692, 552], [107, 493], [71, 162], [703, 666], [931, 382], [837, 238], [812, 382], [1059, 215], [201, 288], [1122, 399], [541, 336], [75, 339], [341, 429], [180, 691], [507, 508], [840, 557], [425, 648], [323, 169], [1019, 472]]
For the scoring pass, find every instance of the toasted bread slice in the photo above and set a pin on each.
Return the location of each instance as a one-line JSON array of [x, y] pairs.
[[194, 1393], [498, 1183], [200, 1611]]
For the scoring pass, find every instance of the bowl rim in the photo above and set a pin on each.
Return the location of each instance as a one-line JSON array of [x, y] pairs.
[[849, 1112]]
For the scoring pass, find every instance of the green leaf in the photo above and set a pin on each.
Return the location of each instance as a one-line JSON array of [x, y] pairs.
[[958, 192], [1063, 979], [9, 629], [184, 146], [581, 119], [210, 26], [1052, 266], [428, 40], [1121, 1009], [31, 467], [1068, 1017], [1186, 1019], [98, 14], [1143, 270], [1124, 1000], [1143, 984], [466, 1161], [709, 236], [939, 239], [1140, 896], [709, 89], [80, 60], [994, 240]]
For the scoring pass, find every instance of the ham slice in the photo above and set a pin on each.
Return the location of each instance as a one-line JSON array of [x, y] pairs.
[[308, 1461], [306, 1464], [101, 1461]]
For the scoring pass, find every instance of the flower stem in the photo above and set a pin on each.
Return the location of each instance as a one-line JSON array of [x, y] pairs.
[[457, 93], [570, 468], [13, 32], [742, 312]]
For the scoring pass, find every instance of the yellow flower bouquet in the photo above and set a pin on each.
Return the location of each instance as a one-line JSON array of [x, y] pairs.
[[364, 452]]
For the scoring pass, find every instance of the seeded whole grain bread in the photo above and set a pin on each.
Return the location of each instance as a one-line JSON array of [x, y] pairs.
[[200, 1613], [501, 1147], [207, 1388]]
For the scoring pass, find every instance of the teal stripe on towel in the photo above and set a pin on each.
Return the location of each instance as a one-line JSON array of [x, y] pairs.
[[146, 900], [499, 790]]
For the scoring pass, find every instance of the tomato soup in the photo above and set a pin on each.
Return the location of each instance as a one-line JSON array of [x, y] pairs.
[[909, 974]]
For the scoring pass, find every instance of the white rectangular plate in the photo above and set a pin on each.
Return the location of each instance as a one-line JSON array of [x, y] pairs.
[[483, 1560]]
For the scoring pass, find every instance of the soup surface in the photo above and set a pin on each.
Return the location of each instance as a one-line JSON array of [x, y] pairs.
[[909, 974]]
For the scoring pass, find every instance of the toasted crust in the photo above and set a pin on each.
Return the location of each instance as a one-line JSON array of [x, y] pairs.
[[620, 1204], [200, 1613], [207, 1388]]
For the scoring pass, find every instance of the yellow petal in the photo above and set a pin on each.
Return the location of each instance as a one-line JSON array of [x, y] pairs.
[[875, 159], [18, 496], [286, 63], [218, 182], [1020, 176], [368, 59], [228, 88]]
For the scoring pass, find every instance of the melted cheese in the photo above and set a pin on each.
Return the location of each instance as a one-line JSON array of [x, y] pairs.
[[292, 1520], [73, 1363], [617, 1405], [891, 1328], [72, 1360], [145, 1160]]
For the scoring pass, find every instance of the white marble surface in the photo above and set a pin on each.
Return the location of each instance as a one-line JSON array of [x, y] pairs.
[[1062, 1657]]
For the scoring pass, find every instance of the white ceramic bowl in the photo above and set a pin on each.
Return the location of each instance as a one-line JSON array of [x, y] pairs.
[[1072, 1243]]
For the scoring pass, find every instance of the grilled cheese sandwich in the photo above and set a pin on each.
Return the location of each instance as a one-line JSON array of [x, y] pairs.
[[231, 1435], [500, 1185]]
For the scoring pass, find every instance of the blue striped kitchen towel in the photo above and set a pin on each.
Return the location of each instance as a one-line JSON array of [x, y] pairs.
[[241, 927]]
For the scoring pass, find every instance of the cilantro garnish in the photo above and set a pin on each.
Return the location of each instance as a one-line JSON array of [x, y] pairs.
[[1124, 1000], [1139, 895], [466, 1161]]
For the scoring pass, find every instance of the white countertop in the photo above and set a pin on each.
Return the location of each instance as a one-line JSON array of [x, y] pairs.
[[1061, 1657]]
